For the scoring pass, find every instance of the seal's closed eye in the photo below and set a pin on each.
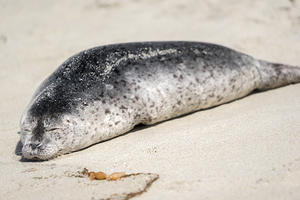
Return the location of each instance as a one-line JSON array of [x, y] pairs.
[[51, 129]]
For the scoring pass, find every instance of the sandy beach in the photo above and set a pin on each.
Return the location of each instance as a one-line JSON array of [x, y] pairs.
[[246, 149]]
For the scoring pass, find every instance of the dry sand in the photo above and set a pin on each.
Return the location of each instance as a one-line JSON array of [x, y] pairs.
[[247, 149]]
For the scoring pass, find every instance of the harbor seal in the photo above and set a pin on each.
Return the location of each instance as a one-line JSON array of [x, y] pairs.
[[103, 92]]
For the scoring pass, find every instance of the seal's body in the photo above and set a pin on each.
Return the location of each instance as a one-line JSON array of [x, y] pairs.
[[105, 91]]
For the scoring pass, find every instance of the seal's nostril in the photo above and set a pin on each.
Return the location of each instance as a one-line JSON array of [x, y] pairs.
[[33, 146]]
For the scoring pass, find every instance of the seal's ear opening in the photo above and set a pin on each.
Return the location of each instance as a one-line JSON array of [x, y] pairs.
[[18, 149]]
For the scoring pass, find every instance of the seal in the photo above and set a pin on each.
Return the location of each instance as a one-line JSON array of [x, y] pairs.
[[103, 92]]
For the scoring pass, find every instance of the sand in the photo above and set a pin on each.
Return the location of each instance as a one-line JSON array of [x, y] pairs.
[[247, 149]]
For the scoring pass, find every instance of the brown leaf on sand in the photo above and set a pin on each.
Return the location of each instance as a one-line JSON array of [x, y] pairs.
[[97, 176], [92, 176], [100, 176], [120, 186], [115, 176]]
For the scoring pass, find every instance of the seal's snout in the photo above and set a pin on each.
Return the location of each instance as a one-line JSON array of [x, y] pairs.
[[30, 151], [39, 142], [35, 151]]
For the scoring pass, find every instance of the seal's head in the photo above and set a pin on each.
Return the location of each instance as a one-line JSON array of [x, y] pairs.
[[44, 137], [53, 124], [48, 135], [51, 134], [60, 117]]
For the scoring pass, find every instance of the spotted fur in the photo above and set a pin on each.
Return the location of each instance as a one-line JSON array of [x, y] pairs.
[[105, 91]]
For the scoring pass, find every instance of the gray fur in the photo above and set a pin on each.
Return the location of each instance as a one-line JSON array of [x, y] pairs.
[[105, 91]]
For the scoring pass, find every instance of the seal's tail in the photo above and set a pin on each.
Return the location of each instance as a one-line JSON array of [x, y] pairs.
[[275, 75]]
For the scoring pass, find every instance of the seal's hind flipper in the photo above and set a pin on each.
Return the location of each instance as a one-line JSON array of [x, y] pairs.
[[274, 75]]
